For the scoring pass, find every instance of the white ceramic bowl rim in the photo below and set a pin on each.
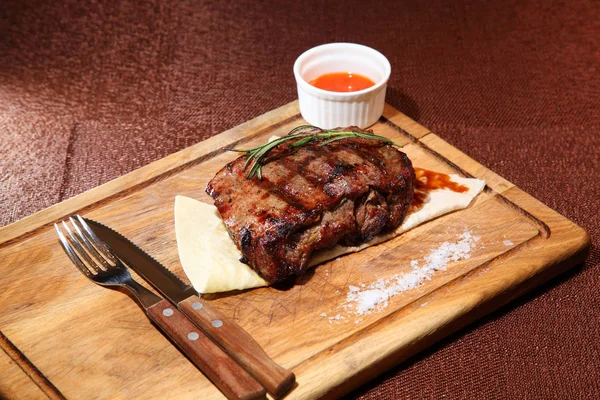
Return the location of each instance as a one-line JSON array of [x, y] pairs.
[[342, 95]]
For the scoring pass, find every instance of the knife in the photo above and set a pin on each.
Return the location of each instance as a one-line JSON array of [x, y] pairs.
[[224, 331]]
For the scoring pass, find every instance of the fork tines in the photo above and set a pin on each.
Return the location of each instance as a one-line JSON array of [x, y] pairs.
[[83, 247]]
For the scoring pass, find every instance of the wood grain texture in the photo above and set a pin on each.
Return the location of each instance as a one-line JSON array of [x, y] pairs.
[[522, 244], [20, 378], [16, 383], [239, 345]]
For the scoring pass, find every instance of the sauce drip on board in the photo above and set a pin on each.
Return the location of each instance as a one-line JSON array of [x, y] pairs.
[[430, 180], [342, 82]]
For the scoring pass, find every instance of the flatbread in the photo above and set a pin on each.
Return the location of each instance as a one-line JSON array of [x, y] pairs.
[[208, 256], [211, 260]]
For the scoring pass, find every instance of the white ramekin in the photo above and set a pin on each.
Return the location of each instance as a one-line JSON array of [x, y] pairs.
[[327, 109]]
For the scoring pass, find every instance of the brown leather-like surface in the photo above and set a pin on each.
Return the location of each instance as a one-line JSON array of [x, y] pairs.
[[91, 91]]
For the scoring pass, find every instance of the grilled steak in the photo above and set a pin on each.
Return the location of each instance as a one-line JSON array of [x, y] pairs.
[[312, 197]]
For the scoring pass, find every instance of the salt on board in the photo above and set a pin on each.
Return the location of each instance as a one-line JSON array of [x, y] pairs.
[[375, 296]]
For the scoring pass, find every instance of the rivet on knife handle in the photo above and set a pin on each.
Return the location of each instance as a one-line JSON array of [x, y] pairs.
[[239, 345], [229, 377]]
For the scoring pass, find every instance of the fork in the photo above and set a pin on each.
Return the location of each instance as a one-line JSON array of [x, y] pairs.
[[97, 262]]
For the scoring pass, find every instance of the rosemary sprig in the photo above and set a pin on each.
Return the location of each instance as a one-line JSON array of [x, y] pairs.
[[257, 155]]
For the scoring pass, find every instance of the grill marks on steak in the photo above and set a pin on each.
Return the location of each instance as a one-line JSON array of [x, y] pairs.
[[312, 197]]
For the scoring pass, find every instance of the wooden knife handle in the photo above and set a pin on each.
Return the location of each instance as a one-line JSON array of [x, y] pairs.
[[239, 345], [225, 373]]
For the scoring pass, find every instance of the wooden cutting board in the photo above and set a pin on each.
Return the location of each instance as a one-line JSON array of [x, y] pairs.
[[78, 340]]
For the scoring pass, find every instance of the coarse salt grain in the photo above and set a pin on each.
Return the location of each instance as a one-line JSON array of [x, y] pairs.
[[377, 294]]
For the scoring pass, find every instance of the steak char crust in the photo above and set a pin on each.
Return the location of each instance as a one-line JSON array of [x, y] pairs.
[[312, 197]]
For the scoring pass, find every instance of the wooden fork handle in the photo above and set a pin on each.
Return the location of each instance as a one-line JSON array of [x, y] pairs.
[[239, 345], [224, 372]]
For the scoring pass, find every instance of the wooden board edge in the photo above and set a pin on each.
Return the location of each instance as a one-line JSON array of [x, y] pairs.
[[404, 122], [478, 312], [356, 368], [559, 226], [15, 383], [370, 352], [38, 385], [151, 171]]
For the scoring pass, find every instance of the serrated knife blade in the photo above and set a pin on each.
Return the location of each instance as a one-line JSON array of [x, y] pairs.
[[153, 272], [222, 330]]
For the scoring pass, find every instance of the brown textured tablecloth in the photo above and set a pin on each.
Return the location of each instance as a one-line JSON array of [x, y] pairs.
[[90, 91]]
